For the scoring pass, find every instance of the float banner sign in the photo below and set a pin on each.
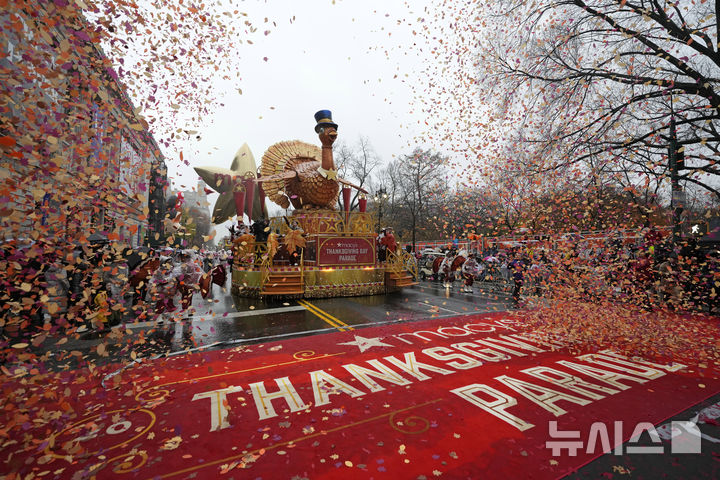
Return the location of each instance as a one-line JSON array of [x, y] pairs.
[[346, 251]]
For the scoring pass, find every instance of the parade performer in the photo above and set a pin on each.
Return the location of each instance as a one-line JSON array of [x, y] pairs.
[[216, 275], [388, 240], [447, 271], [517, 267], [187, 276], [244, 245], [233, 232], [162, 287], [140, 276], [381, 252], [469, 270], [101, 317], [260, 230]]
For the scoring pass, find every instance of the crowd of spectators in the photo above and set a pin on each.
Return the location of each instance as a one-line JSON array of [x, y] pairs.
[[649, 270], [51, 286], [47, 286]]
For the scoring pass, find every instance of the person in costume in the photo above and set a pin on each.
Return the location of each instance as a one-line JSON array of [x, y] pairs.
[[216, 275], [140, 275], [187, 277], [387, 243], [162, 288], [469, 270], [244, 245], [447, 271], [517, 268], [381, 252], [260, 229], [389, 240]]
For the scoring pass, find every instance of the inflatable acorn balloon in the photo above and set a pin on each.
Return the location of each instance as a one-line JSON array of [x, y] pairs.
[[302, 174]]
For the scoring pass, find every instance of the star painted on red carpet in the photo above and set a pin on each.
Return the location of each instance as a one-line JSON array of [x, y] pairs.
[[365, 343]]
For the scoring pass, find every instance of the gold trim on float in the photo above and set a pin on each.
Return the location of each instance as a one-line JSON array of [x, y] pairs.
[[293, 441]]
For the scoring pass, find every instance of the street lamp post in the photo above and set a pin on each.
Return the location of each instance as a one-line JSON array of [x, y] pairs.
[[380, 197], [675, 158]]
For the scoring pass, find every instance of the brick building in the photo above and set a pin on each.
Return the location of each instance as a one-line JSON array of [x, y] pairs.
[[76, 158]]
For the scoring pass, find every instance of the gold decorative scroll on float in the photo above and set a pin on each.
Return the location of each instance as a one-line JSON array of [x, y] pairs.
[[319, 282]]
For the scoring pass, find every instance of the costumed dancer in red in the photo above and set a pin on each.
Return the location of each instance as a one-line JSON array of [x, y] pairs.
[[163, 288], [387, 242], [469, 270], [447, 271], [381, 253], [187, 275]]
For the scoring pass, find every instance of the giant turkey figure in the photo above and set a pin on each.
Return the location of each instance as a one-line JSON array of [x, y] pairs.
[[301, 174]]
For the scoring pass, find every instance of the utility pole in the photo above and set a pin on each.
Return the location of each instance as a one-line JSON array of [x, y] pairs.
[[676, 158], [380, 197]]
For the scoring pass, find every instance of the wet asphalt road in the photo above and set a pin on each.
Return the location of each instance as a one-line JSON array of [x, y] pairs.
[[228, 319]]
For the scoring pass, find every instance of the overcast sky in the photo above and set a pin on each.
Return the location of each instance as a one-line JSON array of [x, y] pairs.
[[357, 58], [354, 58]]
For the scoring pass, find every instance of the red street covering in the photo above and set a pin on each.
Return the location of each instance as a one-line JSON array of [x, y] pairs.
[[467, 397]]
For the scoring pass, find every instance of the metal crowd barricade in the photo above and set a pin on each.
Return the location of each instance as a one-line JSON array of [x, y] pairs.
[[493, 279]]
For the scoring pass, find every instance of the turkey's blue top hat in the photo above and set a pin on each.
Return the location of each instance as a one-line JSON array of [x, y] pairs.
[[324, 119]]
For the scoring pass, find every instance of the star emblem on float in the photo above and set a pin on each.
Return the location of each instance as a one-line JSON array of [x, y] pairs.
[[365, 343]]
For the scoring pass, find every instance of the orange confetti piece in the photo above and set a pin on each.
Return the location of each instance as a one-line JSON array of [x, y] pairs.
[[7, 141]]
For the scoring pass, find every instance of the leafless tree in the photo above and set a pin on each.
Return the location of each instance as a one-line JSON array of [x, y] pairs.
[[356, 163], [413, 182], [597, 81]]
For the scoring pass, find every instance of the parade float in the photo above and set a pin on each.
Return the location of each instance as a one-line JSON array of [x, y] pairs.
[[316, 250]]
